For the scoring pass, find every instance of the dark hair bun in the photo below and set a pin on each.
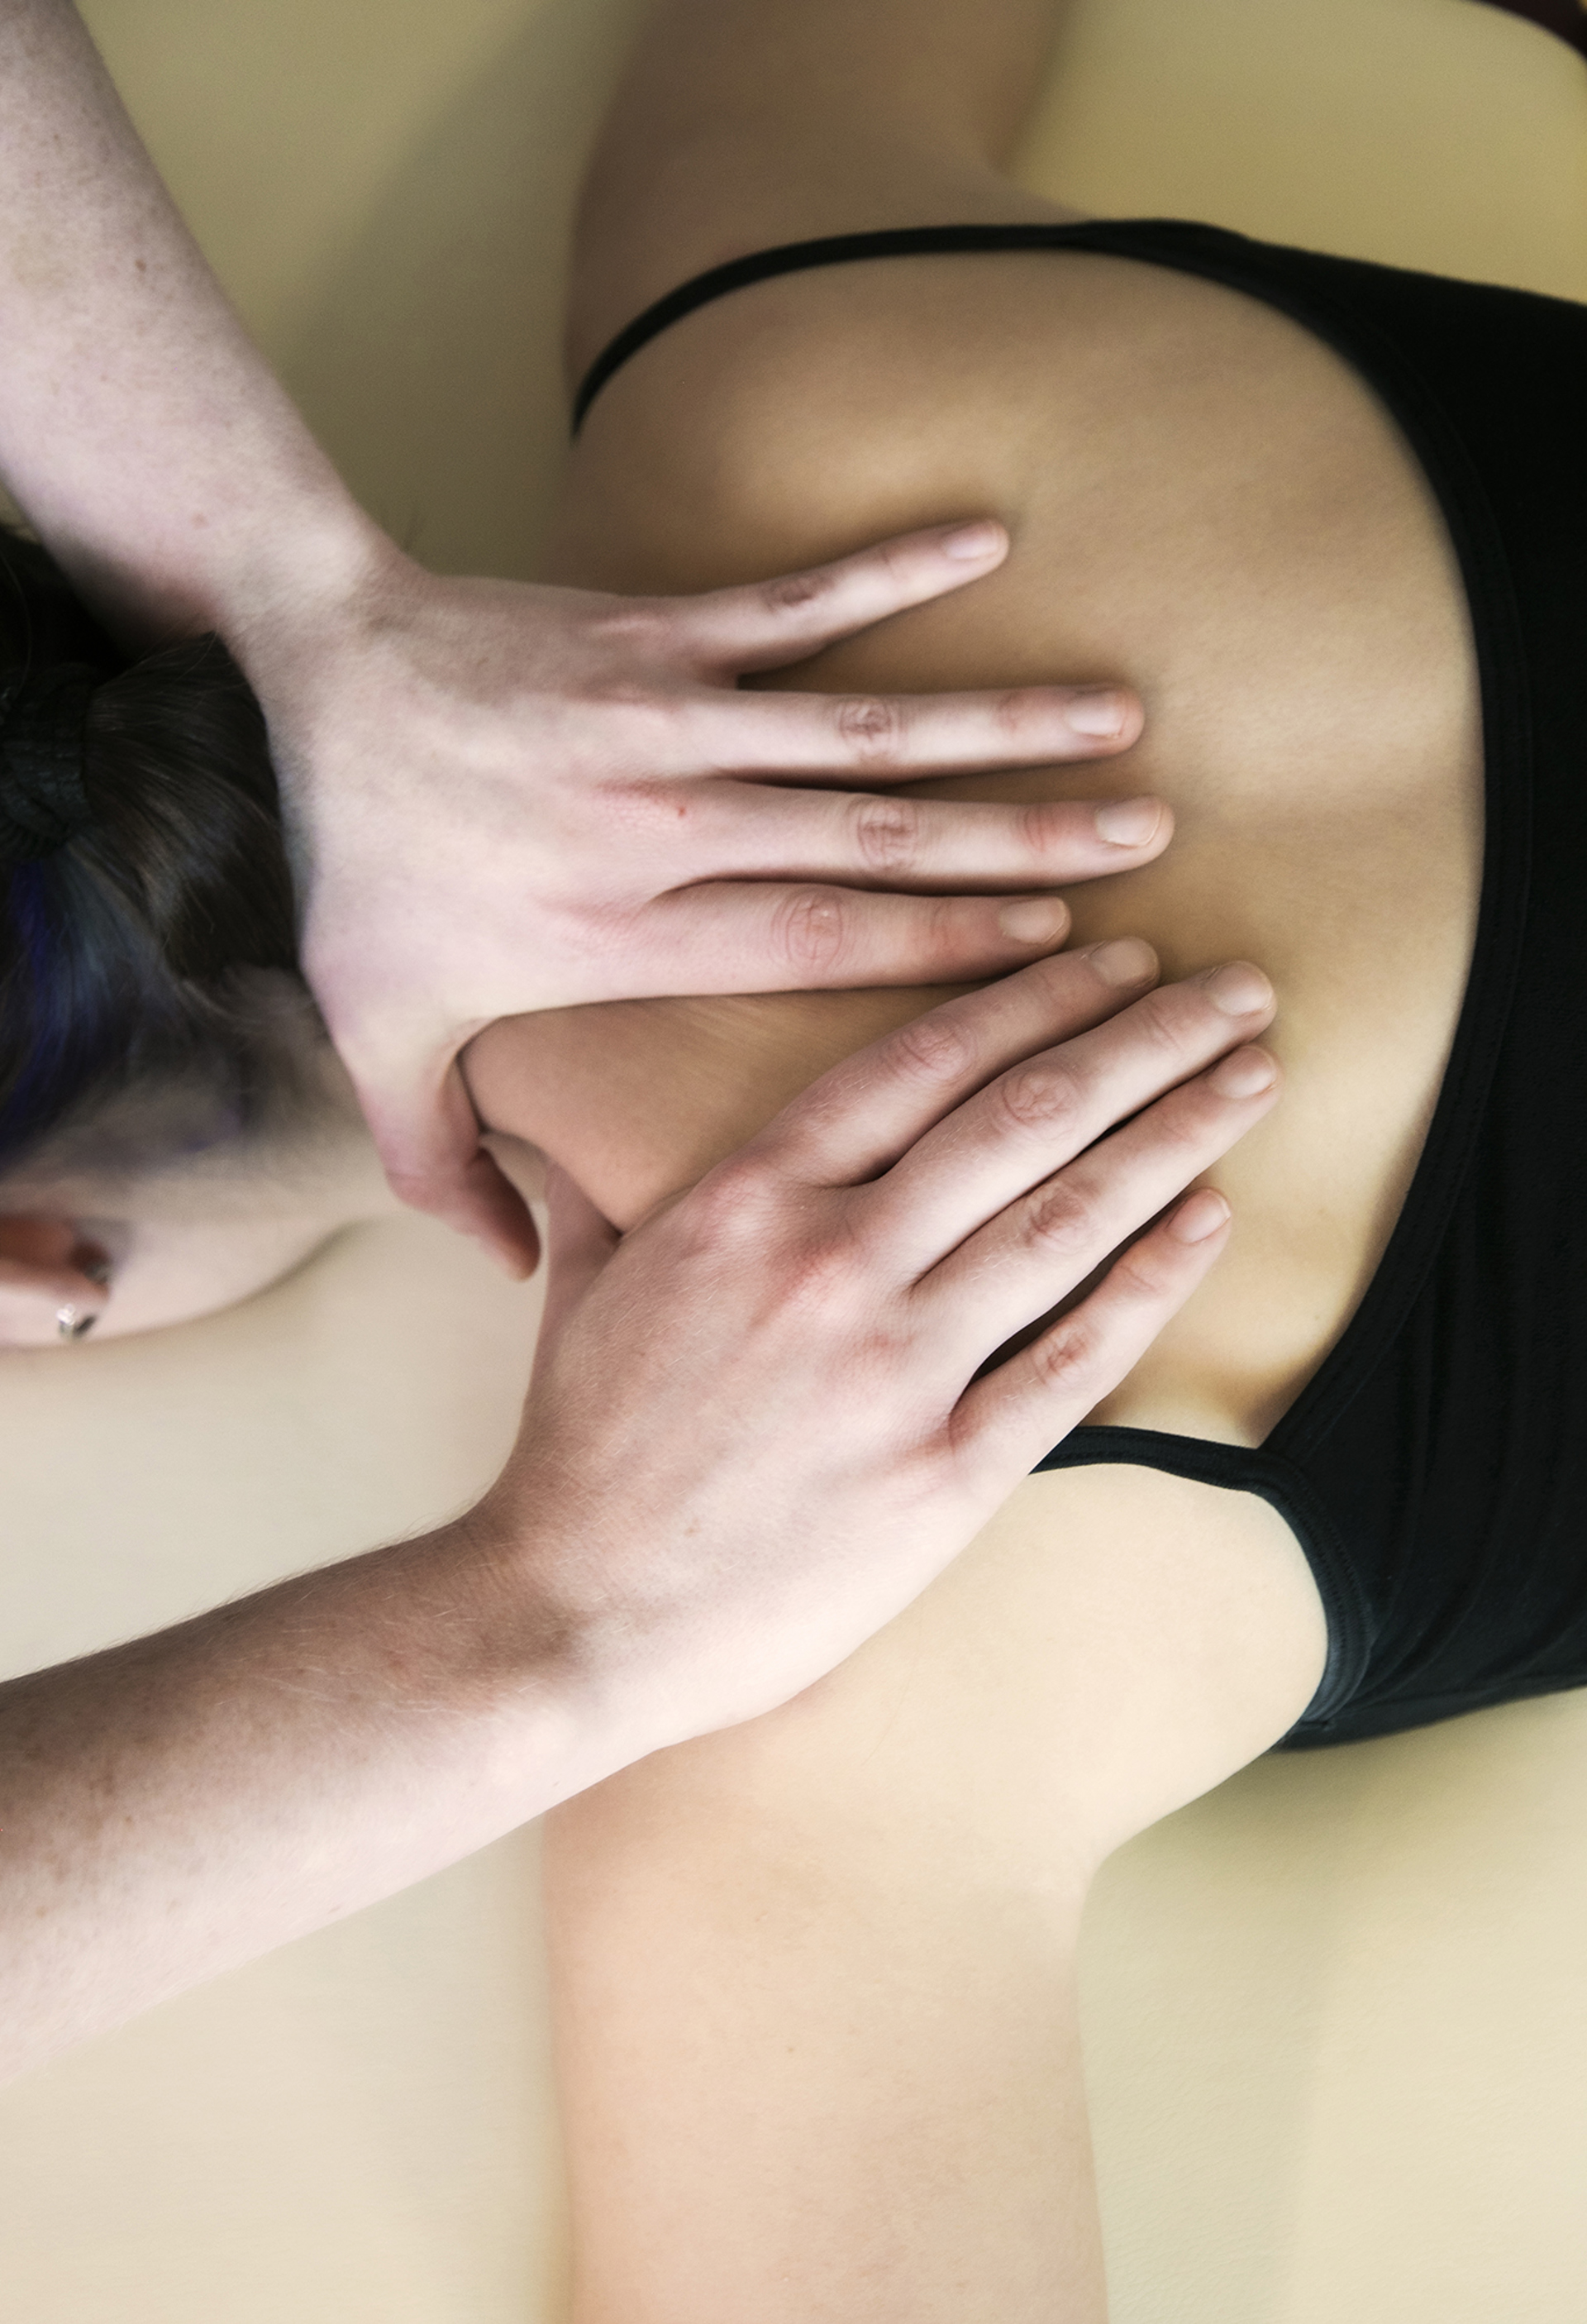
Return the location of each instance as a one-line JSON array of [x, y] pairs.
[[126, 953]]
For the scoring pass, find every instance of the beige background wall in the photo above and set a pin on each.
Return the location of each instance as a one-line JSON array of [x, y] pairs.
[[1335, 2012]]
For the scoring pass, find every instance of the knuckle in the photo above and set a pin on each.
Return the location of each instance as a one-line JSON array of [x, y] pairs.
[[1015, 711], [931, 1049], [1060, 1218], [1024, 718], [641, 727], [1042, 826], [939, 926], [821, 1276], [1064, 1361], [644, 806], [732, 1199], [813, 930], [1052, 979], [888, 832], [1158, 1021], [790, 593], [638, 628], [1039, 1097], [873, 728], [1182, 1126], [1143, 1272]]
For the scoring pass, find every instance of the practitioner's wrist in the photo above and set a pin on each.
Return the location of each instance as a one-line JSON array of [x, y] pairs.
[[602, 1676], [308, 584]]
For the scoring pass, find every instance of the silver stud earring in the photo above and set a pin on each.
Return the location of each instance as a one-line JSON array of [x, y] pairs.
[[74, 1323]]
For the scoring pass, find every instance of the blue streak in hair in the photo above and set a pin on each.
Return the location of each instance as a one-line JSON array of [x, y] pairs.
[[44, 1004]]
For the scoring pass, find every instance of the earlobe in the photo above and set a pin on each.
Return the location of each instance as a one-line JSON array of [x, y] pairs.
[[53, 1282]]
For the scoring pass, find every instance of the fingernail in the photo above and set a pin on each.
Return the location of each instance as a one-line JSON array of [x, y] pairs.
[[1126, 961], [1035, 920], [1100, 712], [1201, 1216], [970, 541], [1129, 823], [1247, 1073], [1236, 988]]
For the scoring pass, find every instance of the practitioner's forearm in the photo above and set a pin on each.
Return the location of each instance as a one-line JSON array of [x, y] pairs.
[[757, 1428], [140, 430], [178, 1806]]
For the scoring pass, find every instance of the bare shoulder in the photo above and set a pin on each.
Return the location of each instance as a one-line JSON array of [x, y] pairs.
[[738, 126], [1206, 503], [1115, 1643]]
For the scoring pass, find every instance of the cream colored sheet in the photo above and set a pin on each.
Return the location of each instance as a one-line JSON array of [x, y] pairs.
[[1335, 2013], [356, 2128]]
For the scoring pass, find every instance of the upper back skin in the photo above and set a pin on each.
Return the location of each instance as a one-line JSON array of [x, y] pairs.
[[1203, 501]]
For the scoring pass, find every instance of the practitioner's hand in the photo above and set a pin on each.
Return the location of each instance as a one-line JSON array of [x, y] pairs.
[[758, 1426], [505, 798]]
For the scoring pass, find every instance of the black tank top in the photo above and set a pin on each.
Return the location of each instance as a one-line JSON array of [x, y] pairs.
[[1434, 1469]]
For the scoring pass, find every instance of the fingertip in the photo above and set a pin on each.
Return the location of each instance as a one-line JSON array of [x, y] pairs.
[[488, 1208], [1239, 987], [1245, 1074], [1103, 714], [509, 1244], [1123, 961], [1135, 823], [1200, 1216], [984, 542], [515, 1245], [1041, 921], [522, 1260]]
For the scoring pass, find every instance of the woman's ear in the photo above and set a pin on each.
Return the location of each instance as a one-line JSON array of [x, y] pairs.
[[47, 1268]]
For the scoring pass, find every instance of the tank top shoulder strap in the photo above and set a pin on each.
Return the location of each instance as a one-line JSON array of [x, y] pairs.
[[844, 249]]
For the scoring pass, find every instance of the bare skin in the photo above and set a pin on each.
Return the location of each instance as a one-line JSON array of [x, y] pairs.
[[499, 797], [815, 1998], [176, 1805]]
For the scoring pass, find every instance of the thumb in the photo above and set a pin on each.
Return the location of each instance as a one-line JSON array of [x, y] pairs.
[[579, 1244], [428, 1135]]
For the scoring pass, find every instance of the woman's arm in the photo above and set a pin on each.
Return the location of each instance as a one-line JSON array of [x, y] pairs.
[[752, 1435], [814, 1980]]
